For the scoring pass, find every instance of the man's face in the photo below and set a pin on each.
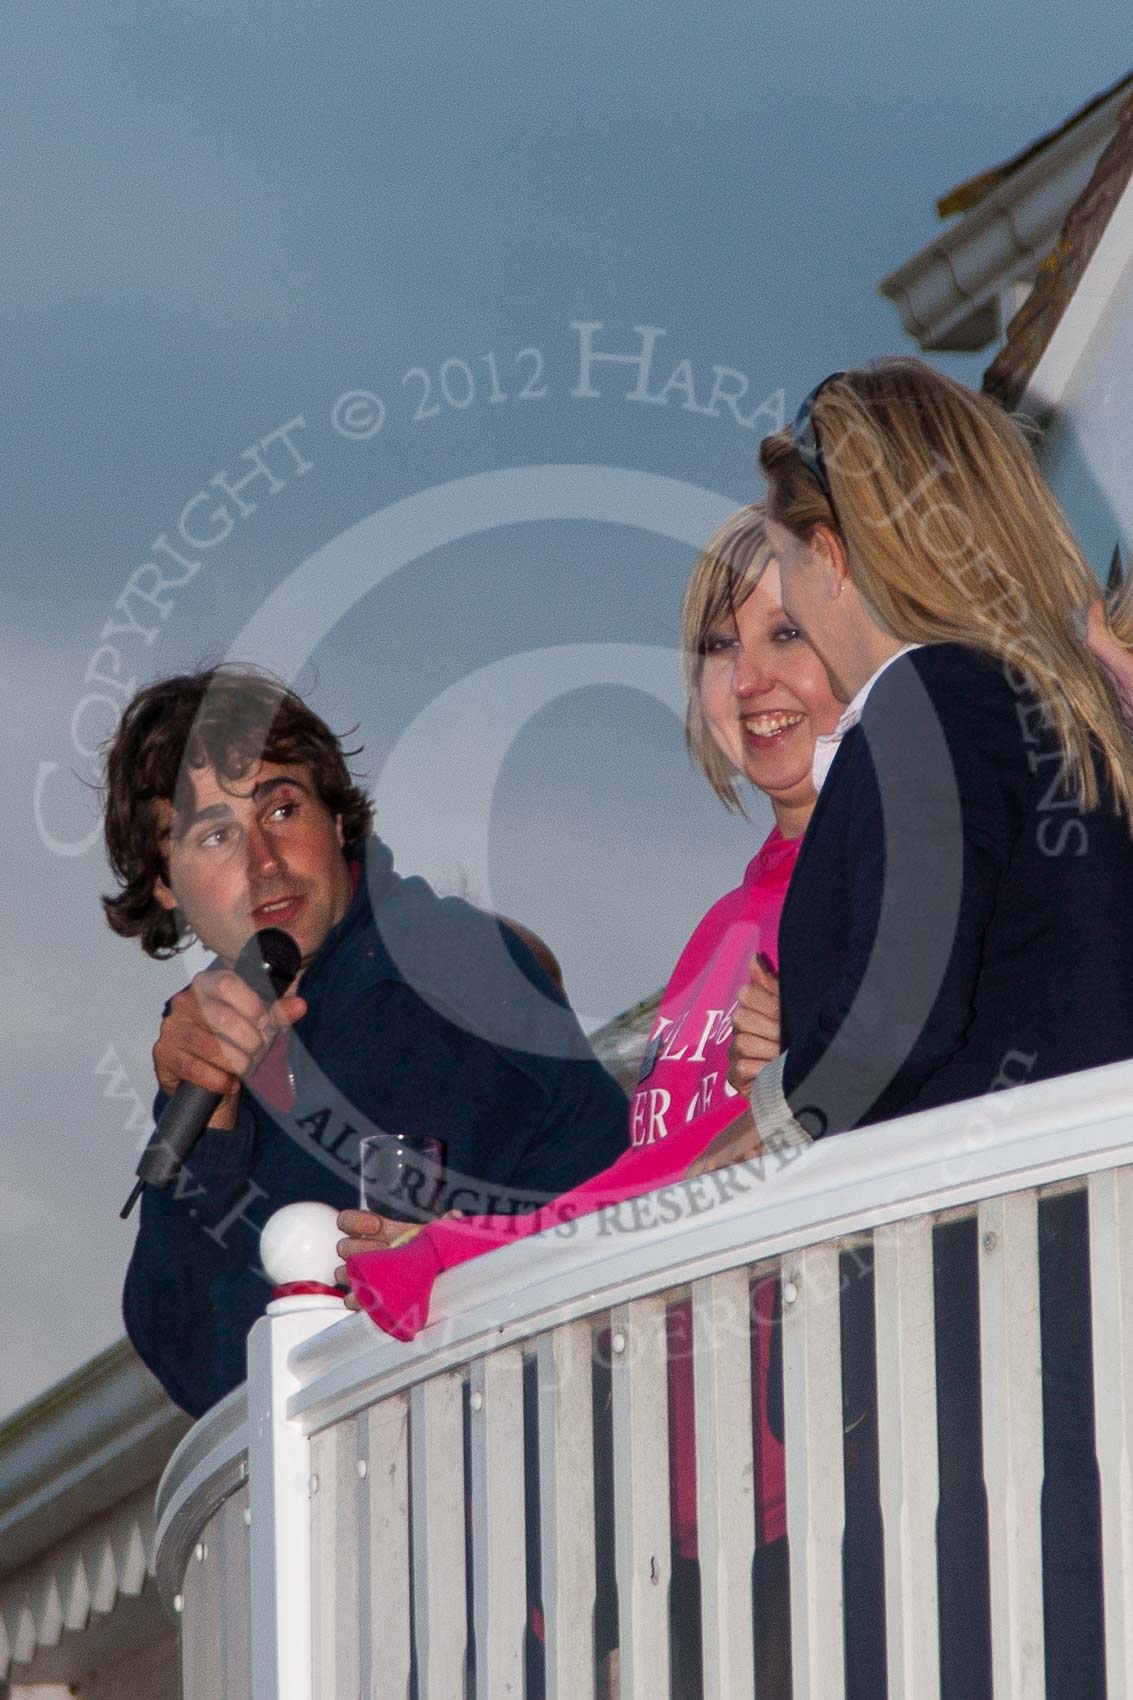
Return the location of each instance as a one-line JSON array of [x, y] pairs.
[[261, 851]]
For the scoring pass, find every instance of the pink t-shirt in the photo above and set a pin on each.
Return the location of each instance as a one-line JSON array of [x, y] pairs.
[[684, 1078]]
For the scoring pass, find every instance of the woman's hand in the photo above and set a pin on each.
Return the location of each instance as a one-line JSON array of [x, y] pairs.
[[733, 1144], [366, 1232], [755, 1027]]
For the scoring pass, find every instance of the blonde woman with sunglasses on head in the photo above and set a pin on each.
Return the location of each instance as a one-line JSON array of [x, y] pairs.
[[960, 916]]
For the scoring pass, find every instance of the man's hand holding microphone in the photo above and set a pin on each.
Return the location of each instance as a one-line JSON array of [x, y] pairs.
[[217, 1032]]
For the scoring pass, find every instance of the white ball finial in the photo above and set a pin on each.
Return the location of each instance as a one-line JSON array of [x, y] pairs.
[[298, 1244]]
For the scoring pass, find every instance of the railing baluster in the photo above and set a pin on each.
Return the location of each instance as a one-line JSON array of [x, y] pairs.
[[334, 1562], [566, 1509], [812, 1405], [1111, 1284], [1012, 1440], [386, 1628], [201, 1650], [499, 1588], [906, 1431], [217, 1564], [439, 1605], [725, 1484], [237, 1599], [642, 1551]]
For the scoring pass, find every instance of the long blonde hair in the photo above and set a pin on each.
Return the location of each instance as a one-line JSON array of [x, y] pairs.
[[953, 537], [727, 570]]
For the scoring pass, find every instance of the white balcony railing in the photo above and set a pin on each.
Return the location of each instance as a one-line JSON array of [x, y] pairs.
[[358, 1519]]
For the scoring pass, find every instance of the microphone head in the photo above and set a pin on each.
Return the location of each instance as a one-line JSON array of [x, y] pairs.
[[269, 962]]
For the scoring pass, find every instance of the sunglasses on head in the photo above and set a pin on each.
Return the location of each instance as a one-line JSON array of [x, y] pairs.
[[805, 438]]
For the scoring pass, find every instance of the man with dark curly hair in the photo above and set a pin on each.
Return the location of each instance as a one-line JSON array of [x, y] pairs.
[[230, 807]]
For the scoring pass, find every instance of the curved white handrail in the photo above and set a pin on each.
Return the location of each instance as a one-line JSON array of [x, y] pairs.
[[1027, 1136], [209, 1464], [936, 1160]]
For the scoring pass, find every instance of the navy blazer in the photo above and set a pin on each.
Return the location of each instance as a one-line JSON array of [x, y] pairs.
[[955, 922]]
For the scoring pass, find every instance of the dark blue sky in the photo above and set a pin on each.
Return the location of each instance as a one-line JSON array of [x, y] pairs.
[[218, 219]]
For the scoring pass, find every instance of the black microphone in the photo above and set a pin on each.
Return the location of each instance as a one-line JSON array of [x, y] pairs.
[[268, 963]]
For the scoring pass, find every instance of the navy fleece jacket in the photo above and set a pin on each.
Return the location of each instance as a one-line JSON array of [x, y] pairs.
[[425, 1016]]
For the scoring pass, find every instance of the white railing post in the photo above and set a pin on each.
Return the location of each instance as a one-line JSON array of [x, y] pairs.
[[436, 1450], [297, 1245], [1011, 1374], [639, 1374], [387, 1625], [566, 1508], [816, 1504], [907, 1455], [499, 1553], [725, 1480], [1111, 1281]]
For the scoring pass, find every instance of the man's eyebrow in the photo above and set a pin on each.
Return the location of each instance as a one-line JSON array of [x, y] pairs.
[[267, 786], [183, 824], [223, 811]]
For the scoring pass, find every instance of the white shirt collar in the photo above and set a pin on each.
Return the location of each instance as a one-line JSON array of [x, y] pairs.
[[826, 744]]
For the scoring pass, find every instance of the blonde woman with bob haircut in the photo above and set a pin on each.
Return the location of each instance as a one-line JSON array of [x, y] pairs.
[[961, 919], [750, 718], [758, 699]]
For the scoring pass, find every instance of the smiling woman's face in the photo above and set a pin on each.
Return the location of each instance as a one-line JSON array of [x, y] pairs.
[[766, 697]]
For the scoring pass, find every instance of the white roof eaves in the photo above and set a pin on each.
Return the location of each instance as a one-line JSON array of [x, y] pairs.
[[1003, 238], [84, 1574], [80, 1450]]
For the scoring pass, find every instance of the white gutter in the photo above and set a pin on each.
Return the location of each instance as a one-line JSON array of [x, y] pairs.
[[947, 295]]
